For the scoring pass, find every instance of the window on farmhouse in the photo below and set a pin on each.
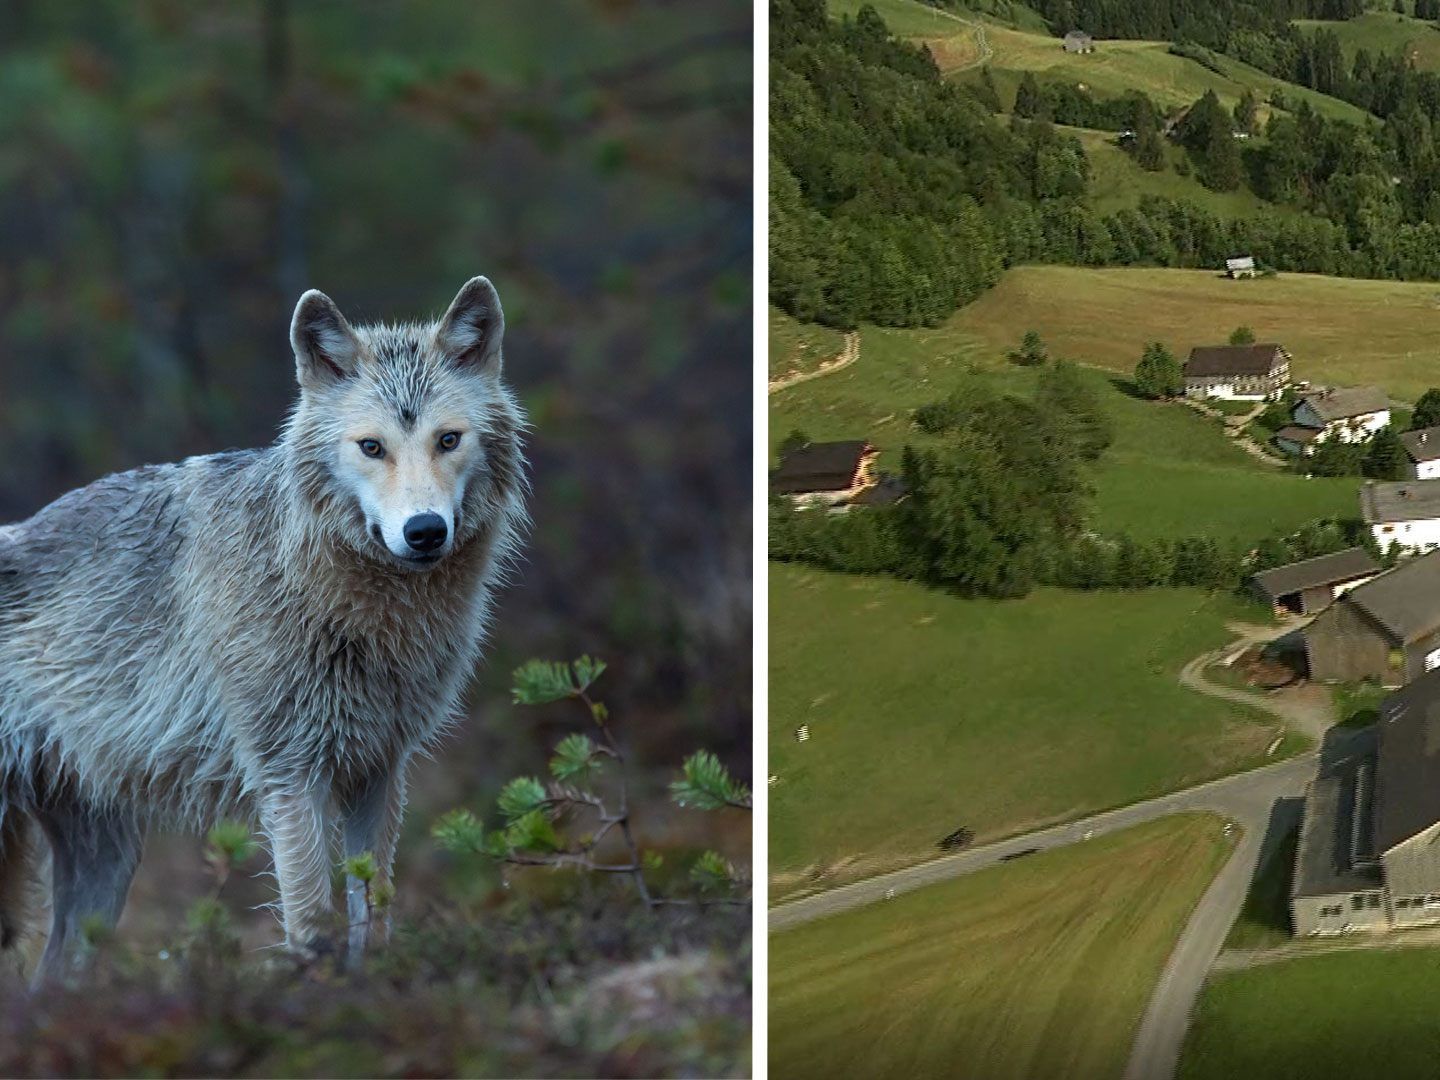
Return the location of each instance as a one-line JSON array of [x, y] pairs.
[[1356, 903]]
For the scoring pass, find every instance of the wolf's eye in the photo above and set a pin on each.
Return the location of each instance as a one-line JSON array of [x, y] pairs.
[[450, 440], [372, 448]]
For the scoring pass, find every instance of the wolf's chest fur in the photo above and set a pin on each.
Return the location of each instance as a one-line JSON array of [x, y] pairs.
[[372, 669]]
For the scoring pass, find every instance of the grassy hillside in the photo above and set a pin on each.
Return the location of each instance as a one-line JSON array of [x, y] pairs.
[[1040, 968], [1117, 182], [1170, 472], [1385, 32], [927, 712], [1338, 329], [1369, 1013], [1148, 66]]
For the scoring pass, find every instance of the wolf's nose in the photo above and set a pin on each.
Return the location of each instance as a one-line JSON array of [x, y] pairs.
[[425, 532]]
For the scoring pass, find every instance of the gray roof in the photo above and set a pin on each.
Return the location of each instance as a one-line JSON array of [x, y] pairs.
[[1077, 35], [1405, 601], [1399, 500], [1333, 569], [1323, 865], [1211, 360], [1245, 262], [1298, 434], [1407, 775], [822, 466], [1343, 402], [1422, 445]]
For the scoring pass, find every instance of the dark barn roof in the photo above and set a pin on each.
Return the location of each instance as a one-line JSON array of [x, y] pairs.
[[1399, 500], [1324, 865], [1422, 445], [1406, 601], [1407, 776], [1334, 569], [1212, 360], [828, 466]]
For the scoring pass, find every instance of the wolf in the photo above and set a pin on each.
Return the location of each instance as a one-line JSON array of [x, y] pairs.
[[273, 633]]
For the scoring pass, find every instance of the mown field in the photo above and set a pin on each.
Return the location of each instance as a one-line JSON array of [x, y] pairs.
[[1040, 968], [1169, 472], [797, 346], [1340, 330], [1344, 1014], [927, 712], [1383, 32]]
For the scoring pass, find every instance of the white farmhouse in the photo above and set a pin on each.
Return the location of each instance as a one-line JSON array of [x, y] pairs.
[[1402, 513], [1423, 449], [1349, 414], [1237, 372]]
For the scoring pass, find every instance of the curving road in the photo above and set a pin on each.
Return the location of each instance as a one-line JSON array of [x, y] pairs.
[[1245, 798], [1264, 802]]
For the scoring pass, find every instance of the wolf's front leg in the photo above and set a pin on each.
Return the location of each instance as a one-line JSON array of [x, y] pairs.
[[294, 821], [373, 814]]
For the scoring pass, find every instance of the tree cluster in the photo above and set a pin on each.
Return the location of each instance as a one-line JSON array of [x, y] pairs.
[[995, 495]]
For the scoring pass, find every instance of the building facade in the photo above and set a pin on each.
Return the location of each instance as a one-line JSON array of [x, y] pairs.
[[1402, 514], [1237, 372], [1387, 628]]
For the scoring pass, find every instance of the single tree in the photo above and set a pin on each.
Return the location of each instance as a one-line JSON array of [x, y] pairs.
[[1246, 113], [1032, 351], [1159, 374], [1065, 394], [1385, 459], [1029, 98], [1427, 410], [1242, 335]]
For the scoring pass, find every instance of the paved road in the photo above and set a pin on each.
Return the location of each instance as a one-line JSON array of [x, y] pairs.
[[1249, 799], [1245, 798]]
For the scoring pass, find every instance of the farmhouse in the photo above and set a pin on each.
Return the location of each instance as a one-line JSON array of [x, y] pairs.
[[1367, 854], [1349, 414], [1423, 449], [1308, 586], [1387, 628], [1243, 267], [1240, 372], [1077, 41], [1403, 513], [825, 474]]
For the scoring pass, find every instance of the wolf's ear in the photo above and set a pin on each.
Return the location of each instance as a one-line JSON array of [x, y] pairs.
[[326, 348], [470, 332]]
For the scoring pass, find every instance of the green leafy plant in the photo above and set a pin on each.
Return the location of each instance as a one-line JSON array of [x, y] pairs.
[[563, 821]]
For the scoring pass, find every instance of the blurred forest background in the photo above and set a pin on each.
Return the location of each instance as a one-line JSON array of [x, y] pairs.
[[174, 175]]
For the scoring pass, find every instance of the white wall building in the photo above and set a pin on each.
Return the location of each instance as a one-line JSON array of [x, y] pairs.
[[1402, 513], [1423, 449], [1350, 414]]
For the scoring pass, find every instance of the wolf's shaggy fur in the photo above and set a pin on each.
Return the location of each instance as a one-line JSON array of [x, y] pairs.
[[237, 632]]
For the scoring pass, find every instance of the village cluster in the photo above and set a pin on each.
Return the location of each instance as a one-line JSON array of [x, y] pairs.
[[1369, 849]]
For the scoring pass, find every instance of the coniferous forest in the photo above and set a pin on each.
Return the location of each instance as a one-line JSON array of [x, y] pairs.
[[897, 195]]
